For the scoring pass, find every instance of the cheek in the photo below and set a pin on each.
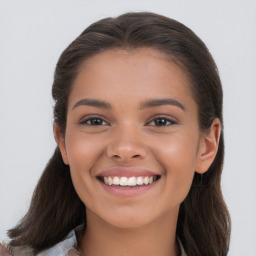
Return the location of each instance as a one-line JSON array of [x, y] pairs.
[[82, 151], [82, 155], [178, 157], [178, 151]]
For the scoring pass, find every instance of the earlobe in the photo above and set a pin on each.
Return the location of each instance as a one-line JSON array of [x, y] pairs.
[[208, 147], [61, 143]]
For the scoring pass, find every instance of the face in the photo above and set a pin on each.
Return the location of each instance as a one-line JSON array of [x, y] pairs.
[[132, 137]]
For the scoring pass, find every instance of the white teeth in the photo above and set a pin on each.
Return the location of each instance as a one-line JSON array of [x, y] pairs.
[[139, 181], [116, 181], [130, 182], [123, 181], [109, 181], [145, 181]]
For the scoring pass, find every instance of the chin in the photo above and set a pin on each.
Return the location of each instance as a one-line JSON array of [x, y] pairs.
[[132, 218], [123, 218]]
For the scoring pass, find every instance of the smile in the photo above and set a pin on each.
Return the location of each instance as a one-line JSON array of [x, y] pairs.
[[129, 181]]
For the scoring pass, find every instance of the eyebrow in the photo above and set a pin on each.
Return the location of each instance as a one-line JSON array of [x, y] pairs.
[[147, 104], [93, 103], [161, 102]]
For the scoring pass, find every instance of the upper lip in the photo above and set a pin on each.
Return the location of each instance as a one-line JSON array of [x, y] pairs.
[[126, 172]]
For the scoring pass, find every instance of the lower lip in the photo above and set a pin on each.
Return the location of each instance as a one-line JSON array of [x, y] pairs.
[[128, 191]]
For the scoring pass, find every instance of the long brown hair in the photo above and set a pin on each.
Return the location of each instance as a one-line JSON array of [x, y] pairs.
[[203, 222]]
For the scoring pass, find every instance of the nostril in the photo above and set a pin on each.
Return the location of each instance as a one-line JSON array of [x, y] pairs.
[[124, 157]]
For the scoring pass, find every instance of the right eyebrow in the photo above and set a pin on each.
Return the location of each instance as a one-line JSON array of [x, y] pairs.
[[161, 102], [93, 103]]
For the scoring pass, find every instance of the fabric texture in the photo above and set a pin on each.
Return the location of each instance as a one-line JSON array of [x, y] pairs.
[[64, 248], [67, 247], [5, 250]]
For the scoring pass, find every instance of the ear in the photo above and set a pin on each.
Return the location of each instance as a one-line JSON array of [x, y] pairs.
[[59, 137], [208, 147]]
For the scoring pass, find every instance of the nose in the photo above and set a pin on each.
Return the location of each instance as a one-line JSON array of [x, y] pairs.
[[126, 144]]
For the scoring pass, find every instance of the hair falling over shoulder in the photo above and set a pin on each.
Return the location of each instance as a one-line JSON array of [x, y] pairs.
[[55, 209], [204, 221]]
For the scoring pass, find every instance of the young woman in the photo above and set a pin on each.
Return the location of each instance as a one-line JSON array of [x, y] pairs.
[[138, 123]]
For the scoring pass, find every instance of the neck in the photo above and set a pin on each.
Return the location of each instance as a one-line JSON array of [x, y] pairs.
[[156, 238]]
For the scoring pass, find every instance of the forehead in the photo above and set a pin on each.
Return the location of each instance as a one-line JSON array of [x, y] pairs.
[[144, 57], [143, 72]]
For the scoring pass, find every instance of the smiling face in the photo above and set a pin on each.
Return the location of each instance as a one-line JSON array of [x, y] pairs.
[[132, 137]]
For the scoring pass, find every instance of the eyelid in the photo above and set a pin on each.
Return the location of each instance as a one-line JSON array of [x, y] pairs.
[[167, 118], [91, 117]]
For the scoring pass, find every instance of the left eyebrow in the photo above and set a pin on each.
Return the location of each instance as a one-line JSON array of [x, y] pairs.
[[92, 103], [161, 102]]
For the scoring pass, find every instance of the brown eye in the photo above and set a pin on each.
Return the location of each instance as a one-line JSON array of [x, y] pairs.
[[94, 122], [161, 121]]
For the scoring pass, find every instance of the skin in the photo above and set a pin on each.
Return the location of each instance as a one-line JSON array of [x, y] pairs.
[[132, 136]]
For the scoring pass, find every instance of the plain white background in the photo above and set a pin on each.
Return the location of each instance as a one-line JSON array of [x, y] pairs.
[[34, 33]]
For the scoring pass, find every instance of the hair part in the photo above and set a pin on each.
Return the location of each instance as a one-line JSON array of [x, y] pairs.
[[204, 221]]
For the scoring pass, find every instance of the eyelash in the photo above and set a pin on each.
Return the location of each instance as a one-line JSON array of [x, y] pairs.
[[167, 121], [91, 119], [153, 122]]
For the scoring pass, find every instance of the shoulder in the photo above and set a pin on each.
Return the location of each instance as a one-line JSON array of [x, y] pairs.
[[64, 248], [182, 251], [5, 250]]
